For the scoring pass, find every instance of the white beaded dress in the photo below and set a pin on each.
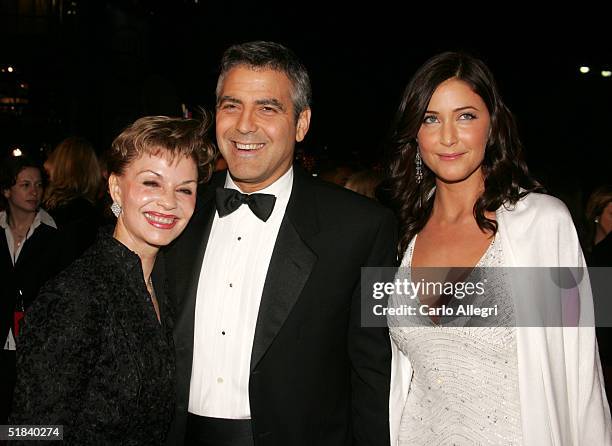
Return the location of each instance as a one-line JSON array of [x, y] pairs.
[[464, 387]]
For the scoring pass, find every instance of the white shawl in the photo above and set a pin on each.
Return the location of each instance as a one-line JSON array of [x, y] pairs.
[[563, 401]]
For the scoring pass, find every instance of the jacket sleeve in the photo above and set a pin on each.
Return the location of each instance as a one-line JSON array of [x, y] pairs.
[[370, 351], [55, 355], [589, 412], [563, 400]]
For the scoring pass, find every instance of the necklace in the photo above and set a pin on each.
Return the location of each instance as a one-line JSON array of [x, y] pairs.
[[19, 237], [20, 234]]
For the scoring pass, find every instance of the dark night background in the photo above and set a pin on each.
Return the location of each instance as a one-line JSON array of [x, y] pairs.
[[91, 67]]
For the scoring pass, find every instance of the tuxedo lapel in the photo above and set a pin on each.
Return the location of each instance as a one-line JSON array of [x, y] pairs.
[[290, 266]]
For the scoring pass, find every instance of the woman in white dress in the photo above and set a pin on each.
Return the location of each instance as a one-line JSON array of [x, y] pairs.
[[465, 199]]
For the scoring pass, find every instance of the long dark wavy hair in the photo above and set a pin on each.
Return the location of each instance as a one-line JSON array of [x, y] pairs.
[[506, 177]]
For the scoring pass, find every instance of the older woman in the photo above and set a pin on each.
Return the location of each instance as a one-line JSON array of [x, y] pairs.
[[96, 354], [466, 199]]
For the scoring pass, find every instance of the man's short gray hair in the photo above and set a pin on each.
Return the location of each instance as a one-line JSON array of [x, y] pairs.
[[273, 56]]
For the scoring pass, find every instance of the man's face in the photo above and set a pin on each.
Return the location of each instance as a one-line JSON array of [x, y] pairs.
[[255, 125]]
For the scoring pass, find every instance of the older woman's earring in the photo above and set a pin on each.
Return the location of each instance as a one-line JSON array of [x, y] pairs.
[[596, 219], [116, 209], [419, 167]]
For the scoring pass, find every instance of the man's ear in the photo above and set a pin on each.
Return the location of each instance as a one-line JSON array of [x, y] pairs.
[[114, 189], [303, 124]]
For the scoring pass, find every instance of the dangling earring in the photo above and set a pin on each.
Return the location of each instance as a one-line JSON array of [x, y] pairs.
[[419, 167], [116, 209]]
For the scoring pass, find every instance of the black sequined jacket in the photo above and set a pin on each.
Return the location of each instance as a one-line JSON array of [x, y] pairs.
[[93, 356]]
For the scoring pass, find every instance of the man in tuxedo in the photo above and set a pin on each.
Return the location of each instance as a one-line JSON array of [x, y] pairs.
[[266, 281]]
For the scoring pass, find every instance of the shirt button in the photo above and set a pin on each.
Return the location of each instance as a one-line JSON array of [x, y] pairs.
[[223, 333], [220, 380], [231, 285], [239, 238]]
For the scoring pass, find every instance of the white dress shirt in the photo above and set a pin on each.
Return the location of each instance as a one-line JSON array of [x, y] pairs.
[[229, 292]]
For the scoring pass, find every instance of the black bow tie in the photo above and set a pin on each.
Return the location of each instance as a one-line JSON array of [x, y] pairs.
[[228, 200]]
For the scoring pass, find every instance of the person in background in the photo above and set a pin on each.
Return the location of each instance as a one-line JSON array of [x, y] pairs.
[[27, 258], [364, 182], [599, 221], [336, 173], [465, 199], [74, 186], [599, 254], [96, 354]]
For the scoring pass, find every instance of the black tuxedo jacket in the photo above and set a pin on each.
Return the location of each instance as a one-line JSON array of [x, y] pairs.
[[317, 377]]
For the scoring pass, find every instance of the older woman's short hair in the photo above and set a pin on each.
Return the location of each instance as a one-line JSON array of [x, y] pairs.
[[176, 136]]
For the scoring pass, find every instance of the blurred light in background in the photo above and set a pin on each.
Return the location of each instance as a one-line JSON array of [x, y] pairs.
[[584, 69]]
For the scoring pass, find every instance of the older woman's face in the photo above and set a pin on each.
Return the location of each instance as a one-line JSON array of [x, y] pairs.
[[157, 198], [453, 135]]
